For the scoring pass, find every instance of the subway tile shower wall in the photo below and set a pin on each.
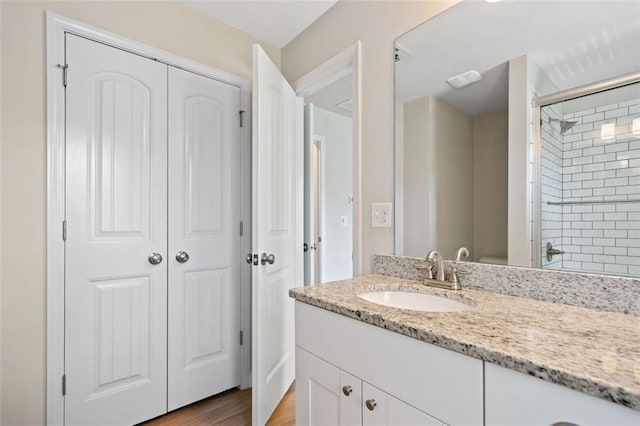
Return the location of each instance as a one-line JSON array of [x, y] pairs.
[[551, 178], [598, 237]]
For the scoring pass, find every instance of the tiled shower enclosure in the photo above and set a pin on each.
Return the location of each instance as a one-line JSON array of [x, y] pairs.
[[590, 182]]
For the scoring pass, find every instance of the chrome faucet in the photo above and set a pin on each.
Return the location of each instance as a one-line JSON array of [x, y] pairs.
[[435, 275], [435, 265]]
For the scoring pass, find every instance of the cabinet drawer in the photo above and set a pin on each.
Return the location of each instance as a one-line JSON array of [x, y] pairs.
[[514, 398], [434, 380]]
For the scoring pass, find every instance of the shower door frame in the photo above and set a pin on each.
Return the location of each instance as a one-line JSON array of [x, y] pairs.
[[537, 104]]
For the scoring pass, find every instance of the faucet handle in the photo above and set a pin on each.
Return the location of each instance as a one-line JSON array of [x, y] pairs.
[[462, 272], [428, 268], [454, 277]]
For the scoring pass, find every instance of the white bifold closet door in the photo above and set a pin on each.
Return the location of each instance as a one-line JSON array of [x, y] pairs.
[[116, 191], [152, 170], [204, 212]]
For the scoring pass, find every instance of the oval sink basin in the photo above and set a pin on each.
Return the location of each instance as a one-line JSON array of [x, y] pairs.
[[414, 301]]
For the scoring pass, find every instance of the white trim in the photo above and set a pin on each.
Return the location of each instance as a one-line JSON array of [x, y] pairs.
[[319, 215], [345, 62], [536, 207], [56, 27]]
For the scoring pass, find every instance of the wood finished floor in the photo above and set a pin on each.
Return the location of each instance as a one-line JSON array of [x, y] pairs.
[[230, 408]]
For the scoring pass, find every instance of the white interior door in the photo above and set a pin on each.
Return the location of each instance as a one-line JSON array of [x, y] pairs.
[[309, 218], [116, 195], [277, 206], [204, 239]]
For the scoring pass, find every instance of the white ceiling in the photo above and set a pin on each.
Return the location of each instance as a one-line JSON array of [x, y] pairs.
[[276, 22], [573, 42], [332, 96]]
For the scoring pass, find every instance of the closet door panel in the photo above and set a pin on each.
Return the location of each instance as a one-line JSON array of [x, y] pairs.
[[204, 212], [115, 299]]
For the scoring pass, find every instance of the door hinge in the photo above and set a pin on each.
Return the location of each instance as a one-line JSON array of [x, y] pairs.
[[241, 228], [64, 230], [65, 68], [241, 338], [64, 384], [242, 118]]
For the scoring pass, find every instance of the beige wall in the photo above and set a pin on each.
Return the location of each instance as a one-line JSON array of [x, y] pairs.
[[490, 146], [526, 80], [438, 178], [451, 180], [417, 164], [376, 24], [166, 25]]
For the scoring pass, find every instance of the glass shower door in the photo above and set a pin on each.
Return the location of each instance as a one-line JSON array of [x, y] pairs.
[[590, 183]]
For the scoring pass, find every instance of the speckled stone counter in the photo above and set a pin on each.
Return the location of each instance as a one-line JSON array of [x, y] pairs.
[[592, 351], [606, 292]]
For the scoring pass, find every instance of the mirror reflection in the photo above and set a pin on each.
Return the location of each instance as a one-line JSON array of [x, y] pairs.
[[328, 180], [477, 162]]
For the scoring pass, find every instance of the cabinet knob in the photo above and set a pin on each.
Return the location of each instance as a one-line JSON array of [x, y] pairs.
[[346, 390], [371, 404]]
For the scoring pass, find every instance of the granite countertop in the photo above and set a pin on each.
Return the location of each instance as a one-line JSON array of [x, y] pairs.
[[592, 351]]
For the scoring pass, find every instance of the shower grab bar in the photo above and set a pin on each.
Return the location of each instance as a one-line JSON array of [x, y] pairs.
[[573, 203]]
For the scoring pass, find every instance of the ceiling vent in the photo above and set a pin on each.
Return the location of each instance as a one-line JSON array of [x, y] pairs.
[[464, 79]]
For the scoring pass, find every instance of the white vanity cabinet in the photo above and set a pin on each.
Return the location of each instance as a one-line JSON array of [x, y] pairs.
[[514, 398], [326, 395], [382, 409], [411, 382]]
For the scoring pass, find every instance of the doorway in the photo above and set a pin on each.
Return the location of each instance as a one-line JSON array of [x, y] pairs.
[[332, 167]]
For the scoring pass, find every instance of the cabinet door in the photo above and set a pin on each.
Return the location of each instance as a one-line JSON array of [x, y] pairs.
[[514, 398], [325, 395], [380, 408]]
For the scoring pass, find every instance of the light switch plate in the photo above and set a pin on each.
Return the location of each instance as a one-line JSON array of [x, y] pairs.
[[381, 215]]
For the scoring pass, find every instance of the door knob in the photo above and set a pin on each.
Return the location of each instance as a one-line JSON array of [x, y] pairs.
[[182, 256], [270, 259], [155, 258], [371, 404], [346, 390]]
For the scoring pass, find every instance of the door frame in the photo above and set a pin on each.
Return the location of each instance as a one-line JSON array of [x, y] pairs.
[[319, 221], [346, 62], [56, 27]]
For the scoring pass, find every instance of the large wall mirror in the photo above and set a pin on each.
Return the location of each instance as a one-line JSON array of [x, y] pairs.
[[518, 135]]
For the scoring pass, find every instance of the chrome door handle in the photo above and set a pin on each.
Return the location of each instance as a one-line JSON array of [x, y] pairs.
[[265, 258], [371, 404], [346, 390], [155, 258], [182, 256]]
